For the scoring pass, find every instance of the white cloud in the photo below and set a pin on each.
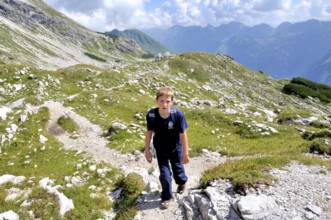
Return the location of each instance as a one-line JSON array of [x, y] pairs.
[[105, 15], [273, 12], [268, 5]]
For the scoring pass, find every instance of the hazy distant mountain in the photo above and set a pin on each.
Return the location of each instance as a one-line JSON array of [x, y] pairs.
[[143, 40], [320, 71], [286, 51]]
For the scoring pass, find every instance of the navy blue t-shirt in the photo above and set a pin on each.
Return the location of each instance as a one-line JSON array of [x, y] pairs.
[[166, 131]]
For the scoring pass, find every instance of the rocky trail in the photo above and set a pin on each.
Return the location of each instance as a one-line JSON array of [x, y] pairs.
[[90, 140], [303, 192]]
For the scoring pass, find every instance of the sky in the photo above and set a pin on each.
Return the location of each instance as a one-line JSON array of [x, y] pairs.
[[106, 15]]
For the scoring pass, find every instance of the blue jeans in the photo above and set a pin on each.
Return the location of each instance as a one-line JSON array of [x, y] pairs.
[[177, 168]]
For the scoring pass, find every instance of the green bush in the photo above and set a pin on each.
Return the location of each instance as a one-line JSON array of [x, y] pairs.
[[92, 56], [300, 90], [304, 88], [132, 187], [310, 84]]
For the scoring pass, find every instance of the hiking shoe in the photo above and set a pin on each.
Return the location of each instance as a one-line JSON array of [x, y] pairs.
[[165, 204], [180, 189]]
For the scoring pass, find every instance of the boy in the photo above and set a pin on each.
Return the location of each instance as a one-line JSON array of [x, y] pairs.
[[170, 142]]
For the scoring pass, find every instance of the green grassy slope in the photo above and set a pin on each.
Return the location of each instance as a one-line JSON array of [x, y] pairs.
[[230, 110]]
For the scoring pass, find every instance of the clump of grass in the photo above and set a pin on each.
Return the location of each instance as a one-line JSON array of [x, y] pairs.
[[288, 115], [320, 146], [67, 124], [44, 205], [323, 172], [319, 134], [87, 207], [33, 100], [318, 124], [246, 132], [245, 172], [132, 187]]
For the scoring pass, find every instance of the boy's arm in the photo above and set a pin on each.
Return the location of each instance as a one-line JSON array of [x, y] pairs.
[[184, 139], [148, 137]]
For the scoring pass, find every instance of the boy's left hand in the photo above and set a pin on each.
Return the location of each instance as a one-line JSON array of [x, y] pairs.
[[148, 156], [185, 159]]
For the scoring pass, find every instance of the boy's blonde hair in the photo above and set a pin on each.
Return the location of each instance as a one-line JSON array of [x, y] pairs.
[[165, 91]]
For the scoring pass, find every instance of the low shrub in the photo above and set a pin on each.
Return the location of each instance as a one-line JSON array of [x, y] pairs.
[[304, 88]]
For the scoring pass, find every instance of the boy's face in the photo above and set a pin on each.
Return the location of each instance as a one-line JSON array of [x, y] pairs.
[[164, 103]]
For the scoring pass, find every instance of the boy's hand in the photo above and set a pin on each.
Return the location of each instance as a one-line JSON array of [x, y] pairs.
[[185, 158], [148, 156]]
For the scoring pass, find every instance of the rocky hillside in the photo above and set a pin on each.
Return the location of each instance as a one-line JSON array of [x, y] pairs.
[[33, 33], [233, 113]]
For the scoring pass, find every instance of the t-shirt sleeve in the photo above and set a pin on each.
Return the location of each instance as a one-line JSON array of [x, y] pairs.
[[150, 119], [182, 122]]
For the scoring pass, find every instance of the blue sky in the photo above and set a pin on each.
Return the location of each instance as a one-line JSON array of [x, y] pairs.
[[106, 15]]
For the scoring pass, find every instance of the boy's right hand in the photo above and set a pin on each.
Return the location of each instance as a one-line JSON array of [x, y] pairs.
[[185, 159], [148, 156]]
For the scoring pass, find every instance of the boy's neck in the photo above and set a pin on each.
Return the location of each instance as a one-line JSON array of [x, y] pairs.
[[164, 114]]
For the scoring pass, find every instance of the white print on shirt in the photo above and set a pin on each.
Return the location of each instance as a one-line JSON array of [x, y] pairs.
[[170, 125]]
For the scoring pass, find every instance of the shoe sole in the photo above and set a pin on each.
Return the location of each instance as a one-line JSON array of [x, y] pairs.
[[181, 190], [165, 205]]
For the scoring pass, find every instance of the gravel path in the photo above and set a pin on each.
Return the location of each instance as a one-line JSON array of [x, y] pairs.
[[300, 187]]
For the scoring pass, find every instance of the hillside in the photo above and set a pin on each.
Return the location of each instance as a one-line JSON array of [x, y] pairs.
[[32, 33], [286, 51], [233, 112], [143, 40]]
